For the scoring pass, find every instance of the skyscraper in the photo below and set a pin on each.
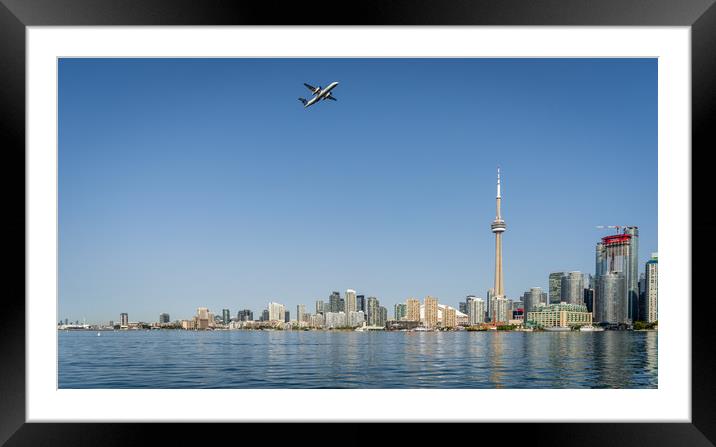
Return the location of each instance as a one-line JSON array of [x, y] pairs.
[[476, 311], [123, 319], [617, 255], [350, 305], [431, 312], [652, 289], [300, 312], [412, 312], [532, 299], [245, 315], [572, 288], [555, 288], [320, 305], [225, 316], [334, 302], [610, 303], [373, 316], [449, 317], [400, 311], [498, 227], [360, 303], [276, 311], [164, 318]]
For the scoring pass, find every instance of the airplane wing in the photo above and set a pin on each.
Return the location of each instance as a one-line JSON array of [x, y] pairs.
[[310, 87], [331, 97]]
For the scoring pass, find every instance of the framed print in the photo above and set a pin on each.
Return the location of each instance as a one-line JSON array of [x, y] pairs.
[[229, 218]]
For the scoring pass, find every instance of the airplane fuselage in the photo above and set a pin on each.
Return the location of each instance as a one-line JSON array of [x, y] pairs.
[[323, 94]]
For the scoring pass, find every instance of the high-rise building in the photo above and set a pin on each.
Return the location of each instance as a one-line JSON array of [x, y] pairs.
[[203, 318], [617, 254], [265, 315], [360, 303], [476, 311], [500, 309], [401, 310], [610, 299], [276, 311], [287, 316], [498, 227], [462, 307], [642, 296], [431, 312], [632, 276], [225, 316], [412, 312], [449, 317], [382, 316], [245, 315], [123, 320], [589, 299], [373, 316], [320, 306], [652, 289], [350, 302], [300, 312], [490, 296], [163, 318], [572, 288], [555, 287], [334, 302], [532, 299]]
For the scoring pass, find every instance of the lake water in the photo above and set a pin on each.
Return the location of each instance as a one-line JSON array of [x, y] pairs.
[[298, 359]]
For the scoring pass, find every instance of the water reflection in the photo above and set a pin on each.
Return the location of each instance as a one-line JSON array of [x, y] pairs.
[[237, 359]]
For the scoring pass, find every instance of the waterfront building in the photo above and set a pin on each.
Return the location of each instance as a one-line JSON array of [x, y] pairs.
[[163, 318], [412, 309], [610, 304], [318, 320], [336, 319], [320, 305], [618, 254], [476, 311], [555, 287], [202, 318], [431, 312], [373, 315], [287, 316], [449, 317], [355, 319], [572, 288], [225, 316], [382, 316], [400, 311], [276, 312], [265, 315], [123, 320], [500, 308], [532, 298], [245, 315], [350, 301], [642, 296], [334, 302], [462, 306], [300, 312], [341, 305], [652, 289], [360, 303], [560, 315], [189, 325]]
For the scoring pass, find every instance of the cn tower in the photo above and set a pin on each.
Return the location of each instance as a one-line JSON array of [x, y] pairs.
[[498, 227]]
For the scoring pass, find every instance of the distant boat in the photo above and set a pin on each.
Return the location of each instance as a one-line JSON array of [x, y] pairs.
[[98, 334], [558, 329], [591, 329]]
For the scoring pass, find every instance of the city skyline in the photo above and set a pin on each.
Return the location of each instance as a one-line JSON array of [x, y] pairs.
[[152, 206]]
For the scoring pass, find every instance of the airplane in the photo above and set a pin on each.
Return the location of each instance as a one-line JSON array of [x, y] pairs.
[[320, 93]]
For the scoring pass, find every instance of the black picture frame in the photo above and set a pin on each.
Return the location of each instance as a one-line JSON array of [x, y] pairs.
[[700, 15]]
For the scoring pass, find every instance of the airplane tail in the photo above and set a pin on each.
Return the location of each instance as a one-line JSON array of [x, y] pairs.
[[303, 100]]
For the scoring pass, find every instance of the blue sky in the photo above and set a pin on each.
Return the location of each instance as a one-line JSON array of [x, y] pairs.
[[204, 182]]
